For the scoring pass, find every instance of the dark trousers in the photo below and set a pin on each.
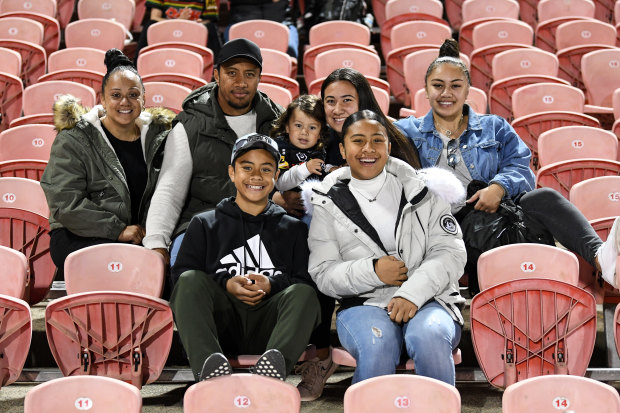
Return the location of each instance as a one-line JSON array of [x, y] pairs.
[[321, 336], [63, 242], [211, 320]]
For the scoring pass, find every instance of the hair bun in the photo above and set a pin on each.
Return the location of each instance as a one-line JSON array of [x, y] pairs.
[[449, 48], [115, 58]]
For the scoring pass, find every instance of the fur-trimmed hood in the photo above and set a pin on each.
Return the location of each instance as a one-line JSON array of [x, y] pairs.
[[68, 111]]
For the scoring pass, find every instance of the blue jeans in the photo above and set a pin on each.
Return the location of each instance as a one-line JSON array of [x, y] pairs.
[[375, 341], [174, 248]]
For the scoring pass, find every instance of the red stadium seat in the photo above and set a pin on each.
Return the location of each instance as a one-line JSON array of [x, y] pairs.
[[339, 31], [276, 93], [575, 142], [121, 11], [601, 75], [177, 30], [64, 11], [33, 56], [11, 91], [311, 53], [45, 7], [266, 34], [51, 28], [27, 142], [203, 51], [23, 29], [165, 94], [99, 34], [178, 61], [561, 176], [552, 13], [480, 11]]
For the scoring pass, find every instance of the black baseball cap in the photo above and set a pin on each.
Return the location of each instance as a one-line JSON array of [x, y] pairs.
[[254, 141], [240, 48]]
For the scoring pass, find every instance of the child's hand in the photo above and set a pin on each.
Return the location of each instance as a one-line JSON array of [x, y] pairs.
[[260, 282], [239, 287], [315, 166]]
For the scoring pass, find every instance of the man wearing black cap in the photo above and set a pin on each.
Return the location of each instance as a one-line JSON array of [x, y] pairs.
[[194, 174]]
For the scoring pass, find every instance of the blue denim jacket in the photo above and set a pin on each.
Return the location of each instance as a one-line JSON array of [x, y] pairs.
[[491, 149]]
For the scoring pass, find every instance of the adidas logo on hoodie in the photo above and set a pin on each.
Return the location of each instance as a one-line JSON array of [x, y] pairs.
[[252, 257]]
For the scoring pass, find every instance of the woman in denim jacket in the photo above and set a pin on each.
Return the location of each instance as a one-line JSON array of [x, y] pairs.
[[486, 148]]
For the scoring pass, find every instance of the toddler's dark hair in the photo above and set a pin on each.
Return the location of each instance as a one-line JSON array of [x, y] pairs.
[[312, 106]]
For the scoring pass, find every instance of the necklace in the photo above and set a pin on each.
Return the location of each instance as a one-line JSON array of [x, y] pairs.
[[373, 199], [448, 132]]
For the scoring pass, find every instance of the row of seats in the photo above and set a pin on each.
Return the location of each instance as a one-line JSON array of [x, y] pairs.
[[392, 393]]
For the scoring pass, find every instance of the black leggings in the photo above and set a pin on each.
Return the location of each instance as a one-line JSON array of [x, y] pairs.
[[63, 242]]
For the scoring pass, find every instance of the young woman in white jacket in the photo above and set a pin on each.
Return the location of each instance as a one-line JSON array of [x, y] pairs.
[[391, 253]]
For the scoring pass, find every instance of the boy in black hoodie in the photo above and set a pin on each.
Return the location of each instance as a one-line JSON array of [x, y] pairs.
[[243, 285]]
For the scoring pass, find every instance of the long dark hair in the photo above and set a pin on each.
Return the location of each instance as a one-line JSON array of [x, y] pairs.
[[401, 147], [363, 115], [115, 61]]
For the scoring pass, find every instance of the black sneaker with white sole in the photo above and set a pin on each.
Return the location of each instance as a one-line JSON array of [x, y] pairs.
[[215, 365], [271, 364]]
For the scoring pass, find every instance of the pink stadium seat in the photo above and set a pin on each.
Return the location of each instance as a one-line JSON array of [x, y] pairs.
[[427, 10], [276, 93], [575, 142], [177, 61], [604, 10], [88, 78], [277, 62], [124, 332], [78, 64], [453, 11], [99, 34], [24, 227], [121, 11], [203, 51], [27, 142], [407, 38], [339, 31], [10, 61], [414, 68], [246, 392], [266, 34], [190, 82], [378, 10], [598, 197], [312, 52], [363, 61], [11, 91], [19, 28], [601, 75], [33, 56], [51, 28], [399, 392], [552, 13], [282, 81], [40, 98], [560, 393], [532, 327], [89, 393], [561, 176], [46, 7], [517, 261], [13, 273], [64, 11], [528, 11], [138, 16], [177, 30], [475, 12], [383, 99], [15, 336], [169, 95], [576, 38]]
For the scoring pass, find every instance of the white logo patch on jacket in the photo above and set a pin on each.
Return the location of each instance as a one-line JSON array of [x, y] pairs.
[[448, 224]]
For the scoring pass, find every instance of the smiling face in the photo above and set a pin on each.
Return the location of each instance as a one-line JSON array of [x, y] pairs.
[[366, 148], [340, 101], [303, 130], [238, 81], [254, 175], [123, 98], [447, 90]]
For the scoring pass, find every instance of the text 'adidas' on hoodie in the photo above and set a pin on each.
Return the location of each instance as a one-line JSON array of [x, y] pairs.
[[226, 241]]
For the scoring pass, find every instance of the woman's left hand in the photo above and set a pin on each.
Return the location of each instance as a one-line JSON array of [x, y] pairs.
[[488, 198], [401, 310]]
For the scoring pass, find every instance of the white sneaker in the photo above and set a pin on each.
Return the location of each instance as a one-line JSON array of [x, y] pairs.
[[608, 254]]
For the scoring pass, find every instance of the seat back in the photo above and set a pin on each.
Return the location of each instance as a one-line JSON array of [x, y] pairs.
[[383, 99], [99, 34], [13, 273], [419, 32], [40, 98], [276, 62], [552, 9], [522, 62], [597, 198], [562, 393], [401, 392], [85, 58], [532, 327], [363, 61], [19, 28], [266, 34], [203, 51], [115, 267], [11, 91], [502, 31], [478, 9], [177, 61], [46, 7], [177, 30], [24, 227], [10, 62], [51, 28], [561, 176], [600, 70], [168, 95], [34, 59], [339, 31], [250, 392], [582, 32], [395, 8], [516, 261], [122, 335], [15, 336], [27, 142], [91, 393], [574, 142], [121, 11], [276, 93], [546, 97], [615, 103]]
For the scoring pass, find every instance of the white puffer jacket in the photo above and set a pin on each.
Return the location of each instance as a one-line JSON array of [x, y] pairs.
[[428, 240]]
